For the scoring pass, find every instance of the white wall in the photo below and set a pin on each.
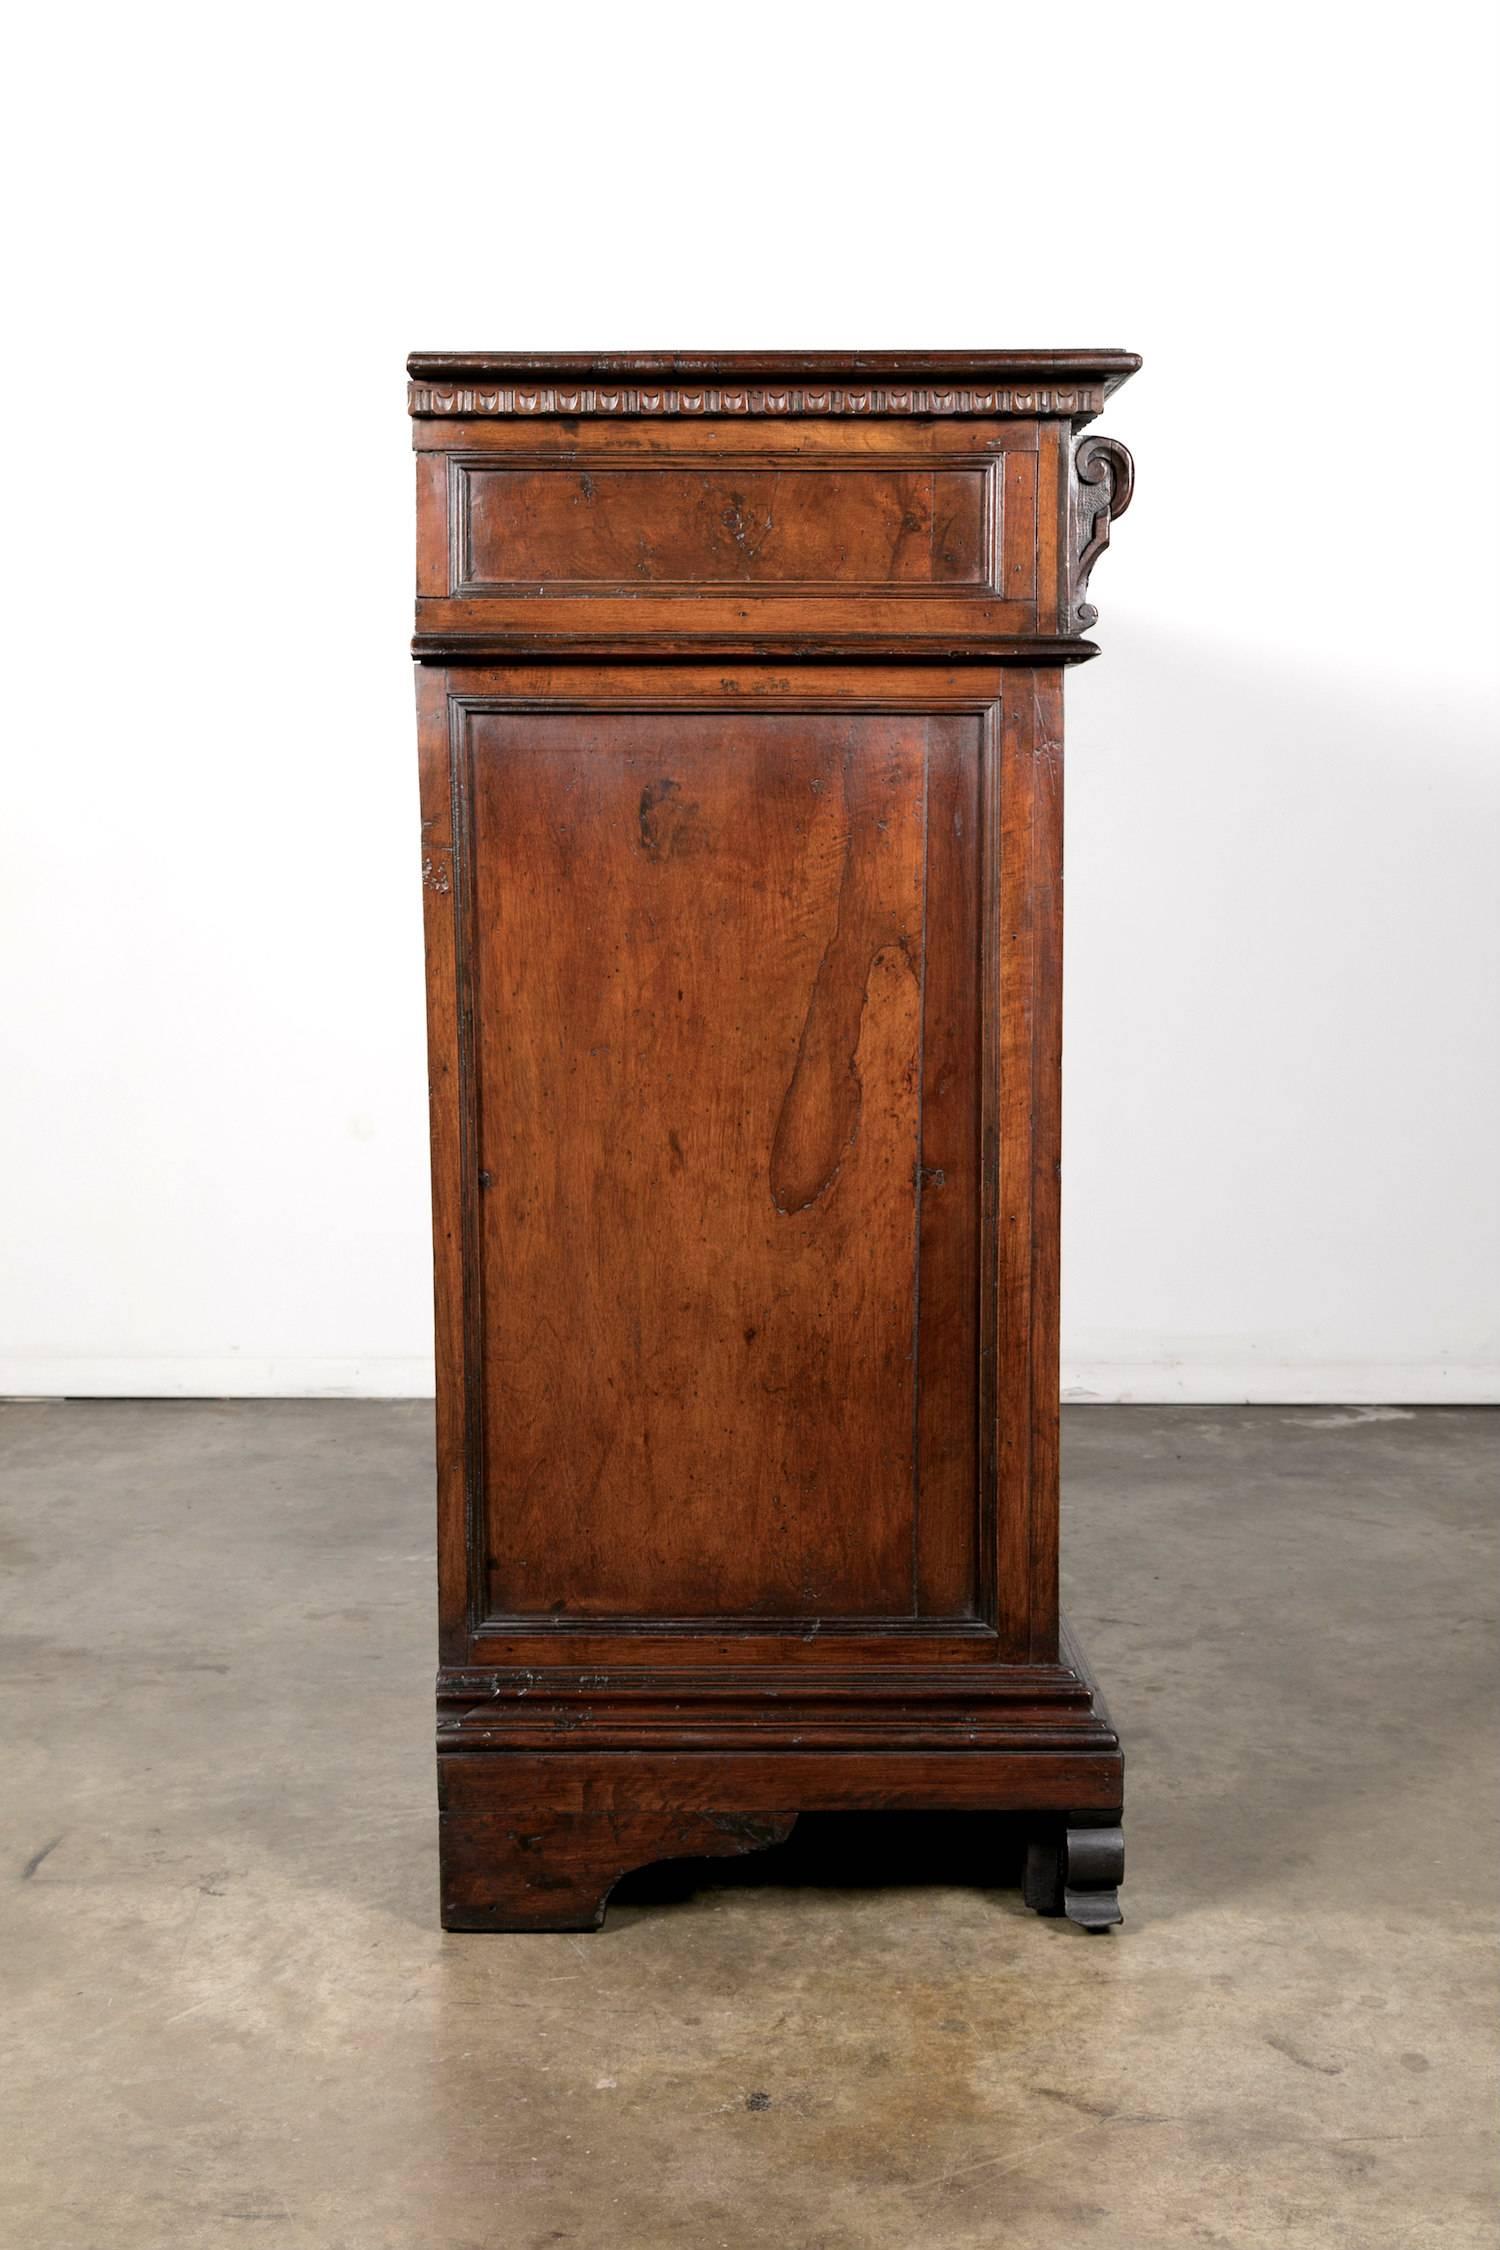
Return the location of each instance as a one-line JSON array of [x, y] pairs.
[[1281, 1174]]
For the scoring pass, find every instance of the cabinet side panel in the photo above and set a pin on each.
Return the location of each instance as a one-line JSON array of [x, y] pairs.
[[698, 1040]]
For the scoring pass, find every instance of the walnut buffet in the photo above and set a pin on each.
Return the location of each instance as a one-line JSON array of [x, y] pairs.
[[739, 681]]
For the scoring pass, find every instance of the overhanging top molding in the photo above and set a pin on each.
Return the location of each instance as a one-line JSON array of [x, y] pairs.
[[1074, 383]]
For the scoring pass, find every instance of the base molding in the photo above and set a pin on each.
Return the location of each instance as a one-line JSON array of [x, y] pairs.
[[539, 1821]]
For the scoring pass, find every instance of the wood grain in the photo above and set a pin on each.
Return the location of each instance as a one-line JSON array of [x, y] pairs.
[[700, 946], [681, 524]]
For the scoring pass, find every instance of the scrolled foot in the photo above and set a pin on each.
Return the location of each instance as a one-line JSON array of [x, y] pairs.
[[1076, 1871]]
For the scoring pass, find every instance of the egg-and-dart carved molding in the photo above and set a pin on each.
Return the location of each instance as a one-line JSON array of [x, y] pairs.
[[1103, 480], [443, 401]]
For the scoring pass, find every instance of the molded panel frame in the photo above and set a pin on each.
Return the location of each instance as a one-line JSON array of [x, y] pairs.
[[1006, 564], [1019, 712], [456, 611]]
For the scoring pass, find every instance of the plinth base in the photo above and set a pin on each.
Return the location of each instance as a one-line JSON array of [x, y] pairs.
[[537, 1826]]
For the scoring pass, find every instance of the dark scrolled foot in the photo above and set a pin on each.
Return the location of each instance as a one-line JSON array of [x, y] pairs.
[[1076, 1870], [555, 1871]]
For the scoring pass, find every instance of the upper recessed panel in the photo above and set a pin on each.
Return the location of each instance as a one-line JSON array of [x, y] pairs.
[[553, 534], [688, 526]]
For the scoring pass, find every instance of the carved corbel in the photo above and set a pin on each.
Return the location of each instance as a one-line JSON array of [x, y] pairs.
[[1103, 480]]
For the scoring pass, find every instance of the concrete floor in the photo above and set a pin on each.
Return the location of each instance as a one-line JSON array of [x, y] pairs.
[[232, 2019]]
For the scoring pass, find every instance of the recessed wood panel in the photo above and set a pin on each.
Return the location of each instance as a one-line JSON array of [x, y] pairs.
[[725, 1079], [707, 523]]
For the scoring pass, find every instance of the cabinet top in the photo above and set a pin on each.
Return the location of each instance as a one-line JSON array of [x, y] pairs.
[[1074, 382]]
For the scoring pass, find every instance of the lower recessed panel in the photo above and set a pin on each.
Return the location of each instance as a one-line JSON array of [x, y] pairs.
[[723, 968]]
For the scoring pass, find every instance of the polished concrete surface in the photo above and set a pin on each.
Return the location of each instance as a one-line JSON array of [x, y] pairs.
[[230, 2018]]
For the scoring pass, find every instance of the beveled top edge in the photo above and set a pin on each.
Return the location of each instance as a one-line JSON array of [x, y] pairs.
[[1101, 365]]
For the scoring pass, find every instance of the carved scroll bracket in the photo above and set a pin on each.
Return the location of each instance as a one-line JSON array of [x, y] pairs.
[[1103, 480]]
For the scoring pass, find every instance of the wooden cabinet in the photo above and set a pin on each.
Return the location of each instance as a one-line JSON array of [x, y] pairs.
[[740, 703]]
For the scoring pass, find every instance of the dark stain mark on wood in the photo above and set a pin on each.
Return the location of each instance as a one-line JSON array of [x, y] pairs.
[[668, 820], [819, 1119], [869, 943]]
